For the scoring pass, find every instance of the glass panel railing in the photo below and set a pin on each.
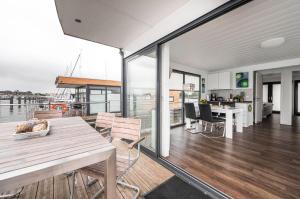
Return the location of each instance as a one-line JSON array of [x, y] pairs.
[[10, 112]]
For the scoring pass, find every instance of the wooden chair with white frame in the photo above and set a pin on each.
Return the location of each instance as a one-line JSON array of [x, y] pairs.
[[104, 122], [123, 130]]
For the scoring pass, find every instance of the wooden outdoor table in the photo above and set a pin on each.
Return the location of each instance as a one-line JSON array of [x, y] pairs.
[[70, 145]]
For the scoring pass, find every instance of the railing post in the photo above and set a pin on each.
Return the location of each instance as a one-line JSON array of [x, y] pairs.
[[19, 102], [11, 101], [26, 111]]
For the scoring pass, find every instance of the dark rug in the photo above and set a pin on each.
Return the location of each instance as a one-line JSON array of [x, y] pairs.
[[175, 188]]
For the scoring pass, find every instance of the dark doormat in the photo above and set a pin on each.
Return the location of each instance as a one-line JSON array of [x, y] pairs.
[[175, 188]]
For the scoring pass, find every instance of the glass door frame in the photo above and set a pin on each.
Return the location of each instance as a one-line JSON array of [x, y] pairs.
[[296, 97], [184, 73], [221, 10], [126, 60]]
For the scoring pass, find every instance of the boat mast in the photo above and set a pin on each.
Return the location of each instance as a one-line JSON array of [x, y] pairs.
[[71, 74]]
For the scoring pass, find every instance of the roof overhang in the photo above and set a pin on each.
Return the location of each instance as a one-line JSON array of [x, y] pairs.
[[129, 24], [77, 82], [114, 23]]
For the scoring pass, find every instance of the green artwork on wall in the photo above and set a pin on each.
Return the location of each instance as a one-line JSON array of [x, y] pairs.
[[242, 80]]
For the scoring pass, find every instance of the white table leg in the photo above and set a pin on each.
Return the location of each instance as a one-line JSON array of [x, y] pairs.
[[239, 122], [229, 122], [110, 179], [187, 123]]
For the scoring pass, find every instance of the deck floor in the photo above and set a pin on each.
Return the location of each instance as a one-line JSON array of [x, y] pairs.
[[263, 162], [147, 174]]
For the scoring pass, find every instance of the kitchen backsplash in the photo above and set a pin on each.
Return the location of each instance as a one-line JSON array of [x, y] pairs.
[[226, 93]]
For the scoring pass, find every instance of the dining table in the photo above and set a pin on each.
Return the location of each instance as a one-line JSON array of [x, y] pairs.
[[70, 144], [229, 112]]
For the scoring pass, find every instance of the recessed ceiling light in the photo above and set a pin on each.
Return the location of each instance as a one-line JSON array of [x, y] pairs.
[[78, 20], [272, 43]]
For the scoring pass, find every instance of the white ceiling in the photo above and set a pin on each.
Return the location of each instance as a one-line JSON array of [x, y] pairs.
[[233, 40], [113, 22]]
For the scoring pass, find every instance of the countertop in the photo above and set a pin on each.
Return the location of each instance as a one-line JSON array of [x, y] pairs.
[[246, 102]]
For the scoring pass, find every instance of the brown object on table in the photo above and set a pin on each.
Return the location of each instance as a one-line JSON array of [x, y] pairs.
[[39, 127], [24, 127], [32, 126], [41, 122]]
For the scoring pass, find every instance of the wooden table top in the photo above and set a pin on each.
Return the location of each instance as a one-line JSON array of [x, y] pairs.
[[68, 139]]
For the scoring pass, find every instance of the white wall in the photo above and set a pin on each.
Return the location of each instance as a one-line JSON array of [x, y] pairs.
[[186, 68], [286, 100], [296, 75], [270, 67], [285, 67], [272, 78], [182, 16], [286, 77], [276, 66]]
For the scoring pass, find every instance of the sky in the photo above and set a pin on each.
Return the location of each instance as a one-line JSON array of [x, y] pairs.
[[34, 50]]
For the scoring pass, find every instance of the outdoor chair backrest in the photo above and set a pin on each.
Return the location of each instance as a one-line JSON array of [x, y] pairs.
[[105, 120], [126, 128]]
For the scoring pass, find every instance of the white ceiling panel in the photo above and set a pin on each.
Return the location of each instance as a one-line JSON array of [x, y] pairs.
[[233, 40], [113, 22]]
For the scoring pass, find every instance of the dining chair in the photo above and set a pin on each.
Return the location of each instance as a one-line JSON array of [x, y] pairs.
[[47, 114], [123, 130], [190, 113], [104, 122], [207, 117], [103, 125]]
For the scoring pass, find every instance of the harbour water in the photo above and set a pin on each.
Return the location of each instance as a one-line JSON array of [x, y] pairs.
[[18, 113]]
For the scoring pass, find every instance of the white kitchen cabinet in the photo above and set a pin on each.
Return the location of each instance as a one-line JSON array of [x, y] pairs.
[[224, 80], [213, 81], [217, 81]]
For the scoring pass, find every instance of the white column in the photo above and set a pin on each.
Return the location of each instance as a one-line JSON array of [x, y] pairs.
[[153, 130], [239, 121], [229, 122], [286, 100], [164, 100]]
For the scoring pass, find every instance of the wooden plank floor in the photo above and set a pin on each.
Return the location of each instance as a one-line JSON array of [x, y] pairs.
[[147, 174], [263, 162]]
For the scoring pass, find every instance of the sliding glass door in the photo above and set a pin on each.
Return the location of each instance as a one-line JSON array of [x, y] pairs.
[[141, 91], [176, 99], [192, 96], [177, 95]]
